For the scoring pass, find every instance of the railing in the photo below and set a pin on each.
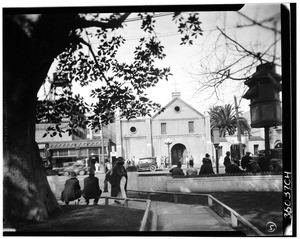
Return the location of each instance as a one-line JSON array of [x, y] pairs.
[[235, 217], [146, 213]]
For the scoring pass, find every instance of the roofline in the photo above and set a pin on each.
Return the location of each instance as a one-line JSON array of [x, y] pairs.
[[186, 104]]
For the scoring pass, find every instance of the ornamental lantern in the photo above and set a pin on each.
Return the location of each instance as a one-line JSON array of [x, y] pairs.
[[263, 93]]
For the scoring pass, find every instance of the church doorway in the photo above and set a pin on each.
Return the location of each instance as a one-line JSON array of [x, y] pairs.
[[178, 153]]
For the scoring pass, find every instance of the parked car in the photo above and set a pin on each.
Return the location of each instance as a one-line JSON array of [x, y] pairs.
[[145, 164], [78, 167]]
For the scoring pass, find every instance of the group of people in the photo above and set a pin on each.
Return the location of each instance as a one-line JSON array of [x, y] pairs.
[[231, 166], [130, 162], [206, 167], [116, 176]]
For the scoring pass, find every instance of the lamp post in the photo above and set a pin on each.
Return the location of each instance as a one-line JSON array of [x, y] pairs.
[[216, 142], [168, 142]]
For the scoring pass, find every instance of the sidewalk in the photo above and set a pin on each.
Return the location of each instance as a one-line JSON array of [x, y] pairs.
[[183, 217]]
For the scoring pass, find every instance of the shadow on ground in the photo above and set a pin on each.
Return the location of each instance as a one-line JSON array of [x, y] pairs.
[[88, 218]]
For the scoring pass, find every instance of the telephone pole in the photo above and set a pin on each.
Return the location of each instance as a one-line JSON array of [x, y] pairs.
[[238, 128]]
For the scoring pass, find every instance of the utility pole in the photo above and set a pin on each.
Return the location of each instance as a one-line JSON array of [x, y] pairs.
[[102, 146], [238, 128]]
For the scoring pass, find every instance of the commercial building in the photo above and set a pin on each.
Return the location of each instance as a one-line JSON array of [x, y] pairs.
[[77, 147]]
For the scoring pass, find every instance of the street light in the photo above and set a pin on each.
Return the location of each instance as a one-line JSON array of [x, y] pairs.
[[216, 141], [168, 142]]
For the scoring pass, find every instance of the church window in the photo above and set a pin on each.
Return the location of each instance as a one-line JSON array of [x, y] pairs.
[[177, 109], [191, 126], [132, 129], [163, 128]]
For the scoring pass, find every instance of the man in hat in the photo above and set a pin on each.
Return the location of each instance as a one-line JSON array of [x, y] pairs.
[[177, 170], [118, 179], [245, 162], [72, 190], [206, 167], [91, 188], [227, 159]]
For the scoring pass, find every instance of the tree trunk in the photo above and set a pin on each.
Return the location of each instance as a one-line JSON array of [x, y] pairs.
[[27, 194], [27, 59]]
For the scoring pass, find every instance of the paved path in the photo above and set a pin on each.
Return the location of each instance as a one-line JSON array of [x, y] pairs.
[[178, 217], [183, 217]]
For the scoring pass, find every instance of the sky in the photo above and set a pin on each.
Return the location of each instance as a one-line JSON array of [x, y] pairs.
[[185, 60]]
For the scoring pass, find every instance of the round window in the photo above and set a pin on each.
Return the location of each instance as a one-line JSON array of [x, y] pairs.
[[177, 109], [132, 129]]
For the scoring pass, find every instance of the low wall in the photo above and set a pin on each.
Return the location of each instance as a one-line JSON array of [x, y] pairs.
[[153, 182], [245, 183]]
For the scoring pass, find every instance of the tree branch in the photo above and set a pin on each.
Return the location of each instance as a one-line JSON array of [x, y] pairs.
[[114, 23], [95, 59]]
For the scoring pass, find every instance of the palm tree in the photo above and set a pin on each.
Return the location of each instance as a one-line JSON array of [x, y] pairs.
[[224, 118]]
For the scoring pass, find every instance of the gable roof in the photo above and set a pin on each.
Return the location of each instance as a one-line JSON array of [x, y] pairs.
[[184, 103]]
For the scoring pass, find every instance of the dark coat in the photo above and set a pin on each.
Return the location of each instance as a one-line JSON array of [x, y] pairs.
[[91, 188], [71, 191], [206, 167], [233, 168], [118, 171], [226, 161], [176, 171], [245, 163]]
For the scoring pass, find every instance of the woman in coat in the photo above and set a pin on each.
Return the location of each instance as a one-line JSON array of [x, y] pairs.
[[118, 179], [72, 190]]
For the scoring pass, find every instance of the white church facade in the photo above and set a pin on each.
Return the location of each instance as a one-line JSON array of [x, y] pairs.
[[184, 127]]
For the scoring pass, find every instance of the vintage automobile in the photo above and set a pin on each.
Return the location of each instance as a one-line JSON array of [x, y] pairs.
[[78, 167], [145, 164]]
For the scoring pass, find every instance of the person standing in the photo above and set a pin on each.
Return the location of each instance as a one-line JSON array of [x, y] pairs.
[[72, 189], [206, 167], [97, 165], [187, 161], [191, 170], [177, 170], [91, 188], [227, 159], [48, 157], [92, 161], [118, 179], [245, 162], [107, 174]]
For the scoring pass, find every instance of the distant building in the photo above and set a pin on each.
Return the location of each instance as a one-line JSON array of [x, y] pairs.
[[72, 148], [188, 129]]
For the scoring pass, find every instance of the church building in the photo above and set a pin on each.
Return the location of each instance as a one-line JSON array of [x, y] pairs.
[[178, 132]]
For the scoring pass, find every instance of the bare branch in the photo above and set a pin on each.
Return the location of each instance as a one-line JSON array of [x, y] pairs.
[[255, 23]]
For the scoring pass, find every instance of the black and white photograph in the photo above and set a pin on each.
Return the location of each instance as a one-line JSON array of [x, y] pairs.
[[147, 119]]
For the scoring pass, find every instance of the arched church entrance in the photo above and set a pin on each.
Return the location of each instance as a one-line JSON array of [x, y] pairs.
[[178, 153]]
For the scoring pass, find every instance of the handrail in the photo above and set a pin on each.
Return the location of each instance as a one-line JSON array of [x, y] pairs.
[[146, 213], [146, 216], [235, 217]]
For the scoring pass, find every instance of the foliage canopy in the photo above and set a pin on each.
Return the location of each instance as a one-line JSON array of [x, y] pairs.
[[121, 85]]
